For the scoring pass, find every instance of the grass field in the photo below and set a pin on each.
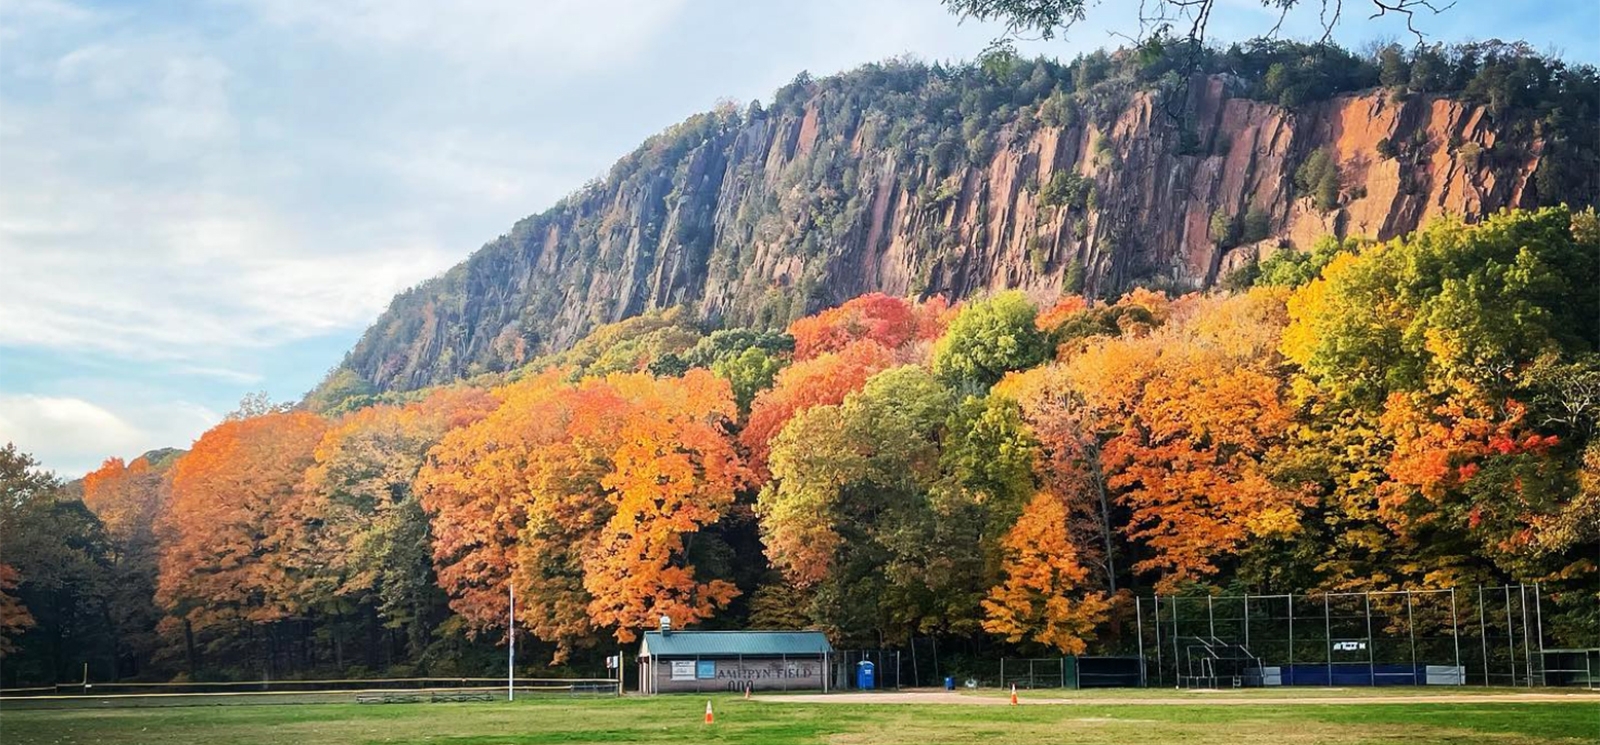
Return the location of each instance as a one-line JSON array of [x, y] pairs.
[[675, 719]]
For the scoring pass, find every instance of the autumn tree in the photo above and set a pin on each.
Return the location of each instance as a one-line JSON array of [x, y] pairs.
[[1071, 437], [674, 472], [363, 538], [630, 345], [588, 496], [14, 616], [1044, 599], [226, 562], [1445, 346], [21, 484], [1198, 407], [863, 516], [822, 380], [128, 499], [889, 321], [475, 487]]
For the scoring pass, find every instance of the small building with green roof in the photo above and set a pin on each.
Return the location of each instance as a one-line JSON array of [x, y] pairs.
[[706, 661]]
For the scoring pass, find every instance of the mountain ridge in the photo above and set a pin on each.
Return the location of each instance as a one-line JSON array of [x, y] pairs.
[[917, 180]]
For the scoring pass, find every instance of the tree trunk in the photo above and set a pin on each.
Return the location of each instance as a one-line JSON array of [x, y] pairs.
[[190, 651], [1093, 451]]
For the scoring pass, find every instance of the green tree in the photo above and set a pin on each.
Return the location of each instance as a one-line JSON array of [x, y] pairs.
[[751, 372], [987, 339], [1318, 178], [55, 551], [855, 515], [1257, 226], [1224, 228]]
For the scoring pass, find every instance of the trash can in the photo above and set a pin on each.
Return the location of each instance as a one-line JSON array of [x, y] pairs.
[[949, 683], [866, 675]]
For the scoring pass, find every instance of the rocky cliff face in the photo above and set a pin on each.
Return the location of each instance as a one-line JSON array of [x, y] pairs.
[[760, 217]]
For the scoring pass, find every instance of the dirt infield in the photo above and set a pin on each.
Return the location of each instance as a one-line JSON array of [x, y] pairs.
[[1187, 698]]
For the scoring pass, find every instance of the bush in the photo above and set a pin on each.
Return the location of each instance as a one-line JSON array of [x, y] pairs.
[[1224, 229], [1038, 254], [1072, 280], [1242, 278], [1318, 178], [1257, 226], [1066, 188], [1386, 149]]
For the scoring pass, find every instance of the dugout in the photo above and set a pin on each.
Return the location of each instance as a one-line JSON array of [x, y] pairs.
[[704, 661]]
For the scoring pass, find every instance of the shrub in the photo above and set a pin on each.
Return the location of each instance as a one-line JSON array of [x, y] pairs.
[[1318, 178], [1066, 188], [1257, 226], [1224, 229]]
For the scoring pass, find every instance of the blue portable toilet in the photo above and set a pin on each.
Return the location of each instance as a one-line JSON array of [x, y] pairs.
[[866, 675]]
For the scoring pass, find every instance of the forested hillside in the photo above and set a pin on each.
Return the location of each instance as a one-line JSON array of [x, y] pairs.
[[1002, 475], [1089, 177]]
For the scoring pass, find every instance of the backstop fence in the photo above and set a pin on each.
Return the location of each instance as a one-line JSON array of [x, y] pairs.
[[1482, 636]]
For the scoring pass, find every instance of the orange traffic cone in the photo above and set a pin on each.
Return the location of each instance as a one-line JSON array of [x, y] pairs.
[[1013, 695], [709, 717]]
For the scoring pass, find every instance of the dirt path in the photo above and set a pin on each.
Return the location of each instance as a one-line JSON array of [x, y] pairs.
[[1198, 698]]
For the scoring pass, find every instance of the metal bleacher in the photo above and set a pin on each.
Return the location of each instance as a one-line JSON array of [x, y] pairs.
[[1210, 662]]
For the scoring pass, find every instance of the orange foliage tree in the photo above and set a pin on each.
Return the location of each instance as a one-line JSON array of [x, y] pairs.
[[890, 321], [1065, 308], [128, 499], [14, 616], [1197, 407], [820, 381], [1043, 598], [586, 494], [227, 530], [363, 536], [1071, 435], [125, 496]]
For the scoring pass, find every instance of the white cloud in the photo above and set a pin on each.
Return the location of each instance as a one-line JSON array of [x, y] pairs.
[[133, 220], [566, 35], [18, 17], [163, 275], [73, 436]]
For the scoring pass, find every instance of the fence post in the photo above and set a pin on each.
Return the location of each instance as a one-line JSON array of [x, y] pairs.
[[1161, 669], [1211, 618], [1247, 624], [1177, 669], [1483, 636], [1372, 660], [1138, 624], [1538, 617], [1455, 637], [1291, 639], [1411, 628], [1327, 626], [1511, 637], [1002, 672], [1527, 652]]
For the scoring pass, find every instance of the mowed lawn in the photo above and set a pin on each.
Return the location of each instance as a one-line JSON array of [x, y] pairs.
[[678, 719]]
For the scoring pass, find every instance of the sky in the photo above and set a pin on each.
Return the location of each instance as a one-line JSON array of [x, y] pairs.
[[200, 200]]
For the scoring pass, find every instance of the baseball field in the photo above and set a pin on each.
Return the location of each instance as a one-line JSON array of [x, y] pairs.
[[913, 718]]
